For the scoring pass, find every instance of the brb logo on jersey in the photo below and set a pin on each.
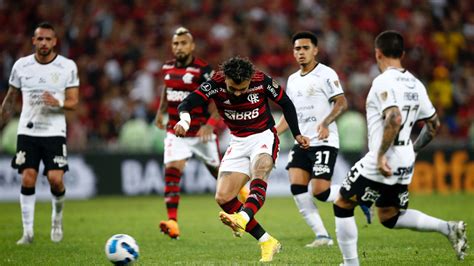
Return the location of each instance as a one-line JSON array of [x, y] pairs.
[[253, 98], [247, 115], [176, 96]]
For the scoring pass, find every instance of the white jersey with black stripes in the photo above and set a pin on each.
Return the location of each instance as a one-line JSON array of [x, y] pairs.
[[312, 96], [394, 87], [33, 79]]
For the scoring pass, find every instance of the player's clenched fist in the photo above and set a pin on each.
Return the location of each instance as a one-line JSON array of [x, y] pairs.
[[303, 141], [182, 126]]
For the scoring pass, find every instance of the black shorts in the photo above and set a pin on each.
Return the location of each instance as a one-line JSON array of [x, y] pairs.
[[31, 150], [319, 160], [365, 191]]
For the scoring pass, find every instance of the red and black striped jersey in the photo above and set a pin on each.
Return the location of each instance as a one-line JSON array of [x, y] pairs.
[[248, 113], [179, 83]]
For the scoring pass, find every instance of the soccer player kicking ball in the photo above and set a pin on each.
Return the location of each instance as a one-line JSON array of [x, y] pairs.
[[241, 96], [183, 75], [395, 102]]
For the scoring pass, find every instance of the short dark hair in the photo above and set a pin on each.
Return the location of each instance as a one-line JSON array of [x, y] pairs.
[[238, 69], [45, 25], [390, 43], [305, 35]]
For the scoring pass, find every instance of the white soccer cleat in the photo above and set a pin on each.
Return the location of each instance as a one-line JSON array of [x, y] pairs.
[[57, 231], [321, 241], [457, 237], [26, 239]]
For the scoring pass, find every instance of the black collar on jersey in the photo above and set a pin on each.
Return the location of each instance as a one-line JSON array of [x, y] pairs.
[[184, 66], [317, 63], [403, 70], [54, 58]]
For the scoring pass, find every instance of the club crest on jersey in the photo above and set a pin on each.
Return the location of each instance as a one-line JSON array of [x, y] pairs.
[[384, 96], [311, 91], [336, 83], [253, 98], [188, 78], [54, 77]]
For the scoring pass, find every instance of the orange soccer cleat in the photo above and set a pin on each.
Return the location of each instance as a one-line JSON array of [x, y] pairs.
[[170, 228]]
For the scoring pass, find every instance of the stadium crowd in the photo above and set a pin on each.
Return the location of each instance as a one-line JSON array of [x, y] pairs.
[[119, 47]]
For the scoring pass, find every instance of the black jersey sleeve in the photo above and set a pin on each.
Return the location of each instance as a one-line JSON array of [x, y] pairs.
[[190, 102], [289, 111], [198, 97]]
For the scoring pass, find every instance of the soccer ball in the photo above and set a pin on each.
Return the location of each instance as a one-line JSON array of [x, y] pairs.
[[121, 249]]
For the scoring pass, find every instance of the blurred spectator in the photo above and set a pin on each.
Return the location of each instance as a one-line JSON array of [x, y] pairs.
[[352, 132], [134, 136], [8, 137], [440, 89], [119, 45]]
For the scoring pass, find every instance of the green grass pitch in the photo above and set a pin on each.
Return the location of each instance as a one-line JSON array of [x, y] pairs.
[[206, 241]]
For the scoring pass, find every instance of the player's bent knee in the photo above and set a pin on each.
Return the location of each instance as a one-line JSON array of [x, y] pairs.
[[341, 212], [391, 222], [29, 177], [298, 189], [323, 196], [222, 198]]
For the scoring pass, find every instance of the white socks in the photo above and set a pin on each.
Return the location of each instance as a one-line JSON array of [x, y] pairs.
[[346, 233], [310, 213], [418, 221], [27, 203], [264, 238], [333, 193], [57, 210]]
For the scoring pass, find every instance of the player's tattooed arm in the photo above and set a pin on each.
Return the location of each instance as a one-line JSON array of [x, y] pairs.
[[8, 104], [429, 131], [391, 126], [162, 109], [340, 106]]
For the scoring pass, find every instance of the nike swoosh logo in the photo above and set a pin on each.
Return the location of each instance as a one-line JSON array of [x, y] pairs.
[[27, 78]]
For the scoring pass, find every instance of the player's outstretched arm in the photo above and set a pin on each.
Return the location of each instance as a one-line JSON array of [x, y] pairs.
[[391, 126], [429, 131], [8, 104], [340, 106], [289, 111]]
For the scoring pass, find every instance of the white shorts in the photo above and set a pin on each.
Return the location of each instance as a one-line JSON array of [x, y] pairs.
[[183, 148], [243, 150]]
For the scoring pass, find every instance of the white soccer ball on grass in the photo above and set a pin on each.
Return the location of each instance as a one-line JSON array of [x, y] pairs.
[[121, 249]]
